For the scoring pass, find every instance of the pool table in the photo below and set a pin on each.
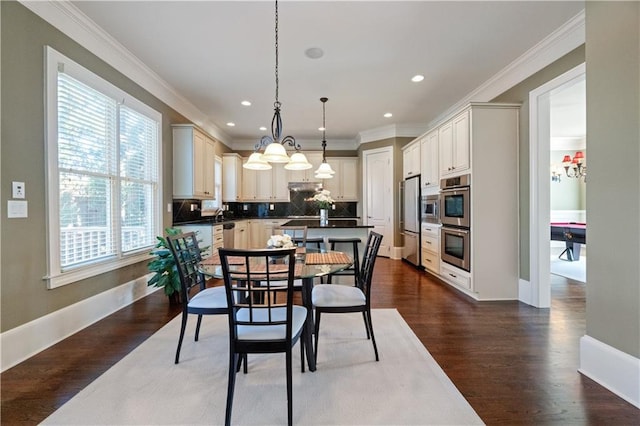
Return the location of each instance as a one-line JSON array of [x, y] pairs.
[[573, 234]]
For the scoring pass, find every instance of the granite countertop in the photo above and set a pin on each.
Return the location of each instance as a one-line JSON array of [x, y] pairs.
[[310, 221], [333, 223]]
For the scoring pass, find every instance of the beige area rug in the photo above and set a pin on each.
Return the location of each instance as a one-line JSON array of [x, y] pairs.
[[349, 387], [576, 270]]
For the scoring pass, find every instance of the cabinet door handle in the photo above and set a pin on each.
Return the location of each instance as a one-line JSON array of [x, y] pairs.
[[454, 276]]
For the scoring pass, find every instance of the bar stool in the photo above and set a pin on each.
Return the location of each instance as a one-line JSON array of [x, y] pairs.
[[310, 241], [353, 270]]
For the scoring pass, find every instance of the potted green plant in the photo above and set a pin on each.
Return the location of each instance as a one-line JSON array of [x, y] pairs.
[[164, 267]]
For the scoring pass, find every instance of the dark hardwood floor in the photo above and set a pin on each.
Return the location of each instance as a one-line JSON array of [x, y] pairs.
[[515, 364]]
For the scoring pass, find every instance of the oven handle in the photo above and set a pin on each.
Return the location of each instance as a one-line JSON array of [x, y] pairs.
[[455, 230], [454, 189]]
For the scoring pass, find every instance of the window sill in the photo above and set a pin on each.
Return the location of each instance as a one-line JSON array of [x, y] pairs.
[[59, 280]]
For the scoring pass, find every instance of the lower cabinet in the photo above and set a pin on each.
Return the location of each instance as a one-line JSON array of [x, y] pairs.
[[260, 230], [455, 276], [431, 247], [241, 235], [218, 238]]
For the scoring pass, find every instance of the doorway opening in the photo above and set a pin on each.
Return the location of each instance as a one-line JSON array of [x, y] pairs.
[[550, 125]]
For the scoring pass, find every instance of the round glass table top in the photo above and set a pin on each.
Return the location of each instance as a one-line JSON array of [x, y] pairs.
[[310, 263]]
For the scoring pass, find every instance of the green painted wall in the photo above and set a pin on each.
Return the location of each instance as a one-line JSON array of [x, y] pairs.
[[24, 296], [520, 94], [569, 193], [613, 195]]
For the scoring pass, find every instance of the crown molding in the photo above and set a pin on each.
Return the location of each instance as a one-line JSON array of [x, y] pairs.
[[391, 131], [67, 18], [63, 15]]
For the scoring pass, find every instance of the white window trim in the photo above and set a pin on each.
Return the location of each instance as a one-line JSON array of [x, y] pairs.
[[55, 276]]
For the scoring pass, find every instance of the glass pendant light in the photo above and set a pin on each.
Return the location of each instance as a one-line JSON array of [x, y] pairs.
[[324, 171], [275, 151], [256, 162]]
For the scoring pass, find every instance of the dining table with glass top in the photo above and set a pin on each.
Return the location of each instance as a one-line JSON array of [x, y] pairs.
[[310, 264]]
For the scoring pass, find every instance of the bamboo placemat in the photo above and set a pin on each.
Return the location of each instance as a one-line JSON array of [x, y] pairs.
[[214, 259], [326, 258]]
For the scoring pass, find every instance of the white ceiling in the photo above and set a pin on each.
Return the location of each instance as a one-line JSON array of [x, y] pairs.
[[568, 107], [219, 53]]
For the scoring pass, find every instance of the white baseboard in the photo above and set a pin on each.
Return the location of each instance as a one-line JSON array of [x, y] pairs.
[[524, 292], [26, 340], [396, 253], [615, 370]]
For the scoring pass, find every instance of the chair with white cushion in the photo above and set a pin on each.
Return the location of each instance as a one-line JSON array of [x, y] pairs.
[[258, 324], [336, 298], [196, 298]]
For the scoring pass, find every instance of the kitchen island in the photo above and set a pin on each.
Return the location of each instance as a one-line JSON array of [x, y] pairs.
[[333, 224], [336, 228]]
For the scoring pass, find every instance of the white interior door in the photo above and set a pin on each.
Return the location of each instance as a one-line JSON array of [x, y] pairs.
[[378, 194]]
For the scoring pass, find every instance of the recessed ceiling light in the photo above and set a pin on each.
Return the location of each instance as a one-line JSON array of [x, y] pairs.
[[231, 124], [246, 103], [321, 129], [263, 128], [388, 115], [314, 53], [417, 78]]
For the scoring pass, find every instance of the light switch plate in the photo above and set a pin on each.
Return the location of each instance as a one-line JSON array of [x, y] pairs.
[[18, 189]]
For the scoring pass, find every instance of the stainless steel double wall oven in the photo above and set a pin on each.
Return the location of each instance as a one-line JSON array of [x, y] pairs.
[[455, 215]]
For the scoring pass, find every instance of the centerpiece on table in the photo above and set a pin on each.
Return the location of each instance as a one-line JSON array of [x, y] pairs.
[[324, 201], [280, 241]]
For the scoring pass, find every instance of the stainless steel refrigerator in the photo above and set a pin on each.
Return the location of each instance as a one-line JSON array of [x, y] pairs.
[[410, 195]]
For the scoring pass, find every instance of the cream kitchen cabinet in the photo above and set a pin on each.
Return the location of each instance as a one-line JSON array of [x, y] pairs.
[[241, 235], [260, 230], [265, 185], [429, 171], [454, 145], [232, 178], [315, 158], [431, 247], [218, 237], [492, 132], [411, 159], [193, 163], [344, 184], [256, 241]]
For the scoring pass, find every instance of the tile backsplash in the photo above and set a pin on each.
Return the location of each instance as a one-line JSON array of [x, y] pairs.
[[189, 210]]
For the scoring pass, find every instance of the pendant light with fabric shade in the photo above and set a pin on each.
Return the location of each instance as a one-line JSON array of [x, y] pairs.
[[324, 171]]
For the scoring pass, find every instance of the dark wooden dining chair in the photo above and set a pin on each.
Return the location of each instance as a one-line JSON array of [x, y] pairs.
[[257, 323], [336, 298], [195, 297], [298, 234]]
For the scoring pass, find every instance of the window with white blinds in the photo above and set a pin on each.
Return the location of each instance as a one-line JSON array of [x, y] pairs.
[[104, 174]]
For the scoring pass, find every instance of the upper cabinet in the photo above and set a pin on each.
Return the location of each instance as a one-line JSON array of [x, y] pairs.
[[454, 145], [344, 184], [315, 158], [411, 160], [429, 161], [265, 185], [232, 178], [193, 163]]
